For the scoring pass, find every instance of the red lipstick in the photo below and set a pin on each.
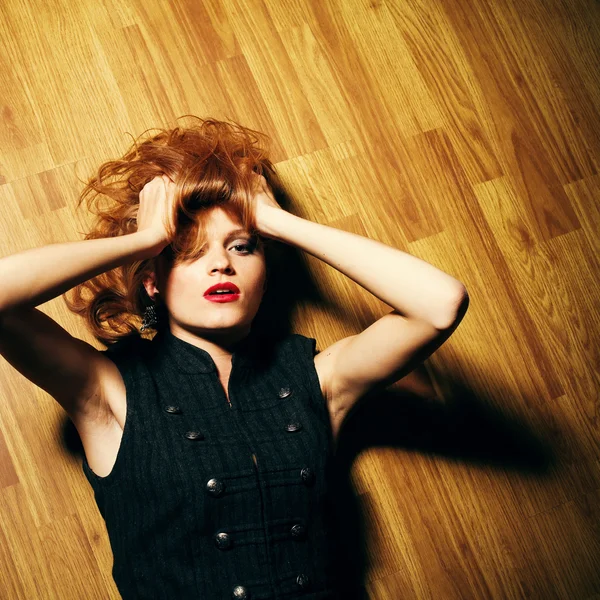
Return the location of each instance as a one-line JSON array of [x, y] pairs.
[[214, 294]]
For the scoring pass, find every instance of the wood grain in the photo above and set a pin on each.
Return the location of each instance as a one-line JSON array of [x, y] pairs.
[[466, 133]]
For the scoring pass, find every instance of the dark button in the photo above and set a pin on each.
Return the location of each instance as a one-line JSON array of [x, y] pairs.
[[293, 426], [223, 541], [174, 410], [307, 475], [303, 580], [215, 487], [194, 435], [240, 592], [298, 530], [284, 392]]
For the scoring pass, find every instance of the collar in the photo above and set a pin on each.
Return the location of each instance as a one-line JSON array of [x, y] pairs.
[[192, 359]]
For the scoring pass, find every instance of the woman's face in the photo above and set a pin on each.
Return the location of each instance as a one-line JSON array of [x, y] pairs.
[[226, 257]]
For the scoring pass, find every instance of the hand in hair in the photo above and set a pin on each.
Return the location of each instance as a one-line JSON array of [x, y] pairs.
[[264, 198], [155, 212]]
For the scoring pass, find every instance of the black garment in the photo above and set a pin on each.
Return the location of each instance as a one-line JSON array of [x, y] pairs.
[[188, 513]]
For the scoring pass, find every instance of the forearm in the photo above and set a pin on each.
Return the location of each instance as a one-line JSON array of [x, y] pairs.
[[38, 275], [412, 286]]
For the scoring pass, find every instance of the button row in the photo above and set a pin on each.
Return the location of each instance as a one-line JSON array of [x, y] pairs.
[[241, 592], [198, 435], [223, 539], [283, 392], [216, 487]]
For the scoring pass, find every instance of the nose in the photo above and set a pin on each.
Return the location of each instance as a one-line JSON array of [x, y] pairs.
[[220, 261]]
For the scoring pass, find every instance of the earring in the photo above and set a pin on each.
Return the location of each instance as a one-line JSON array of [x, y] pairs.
[[150, 317]]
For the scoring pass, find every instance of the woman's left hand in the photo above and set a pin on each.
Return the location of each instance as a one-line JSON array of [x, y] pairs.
[[264, 195], [265, 200]]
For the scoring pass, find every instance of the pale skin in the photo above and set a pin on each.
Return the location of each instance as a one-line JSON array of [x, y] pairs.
[[427, 304]]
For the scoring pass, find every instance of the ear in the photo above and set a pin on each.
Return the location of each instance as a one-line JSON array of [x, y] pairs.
[[150, 285]]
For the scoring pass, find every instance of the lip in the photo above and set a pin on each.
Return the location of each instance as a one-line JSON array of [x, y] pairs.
[[224, 285], [220, 298]]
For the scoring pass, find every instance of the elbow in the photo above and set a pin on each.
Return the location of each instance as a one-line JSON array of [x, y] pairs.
[[455, 310]]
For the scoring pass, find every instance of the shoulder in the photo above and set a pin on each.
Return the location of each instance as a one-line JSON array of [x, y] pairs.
[[297, 340], [124, 360], [294, 348], [126, 344], [118, 368], [128, 350], [303, 351]]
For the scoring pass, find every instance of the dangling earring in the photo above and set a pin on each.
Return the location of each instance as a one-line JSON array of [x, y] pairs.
[[150, 317]]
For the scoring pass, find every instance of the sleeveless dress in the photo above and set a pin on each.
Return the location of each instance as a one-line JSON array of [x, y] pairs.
[[188, 512]]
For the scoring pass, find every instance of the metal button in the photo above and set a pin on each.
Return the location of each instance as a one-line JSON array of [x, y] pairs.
[[294, 426], [223, 541], [307, 475], [303, 580], [174, 410], [284, 392], [194, 435], [240, 592], [298, 530], [215, 487]]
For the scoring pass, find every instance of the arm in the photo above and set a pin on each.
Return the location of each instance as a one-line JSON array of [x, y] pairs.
[[69, 369], [428, 306], [413, 287], [38, 275], [35, 276]]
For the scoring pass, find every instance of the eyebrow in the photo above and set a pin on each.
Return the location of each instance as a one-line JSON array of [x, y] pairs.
[[237, 232]]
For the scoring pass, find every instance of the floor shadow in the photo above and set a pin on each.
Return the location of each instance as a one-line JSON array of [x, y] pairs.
[[464, 429]]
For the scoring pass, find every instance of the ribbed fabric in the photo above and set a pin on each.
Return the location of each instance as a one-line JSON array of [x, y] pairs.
[[187, 512]]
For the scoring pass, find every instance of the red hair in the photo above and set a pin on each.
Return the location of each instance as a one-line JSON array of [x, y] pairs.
[[213, 163]]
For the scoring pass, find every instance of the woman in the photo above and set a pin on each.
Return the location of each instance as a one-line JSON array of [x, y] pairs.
[[208, 446]]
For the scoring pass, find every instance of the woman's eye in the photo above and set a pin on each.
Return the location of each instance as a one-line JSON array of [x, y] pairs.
[[245, 247]]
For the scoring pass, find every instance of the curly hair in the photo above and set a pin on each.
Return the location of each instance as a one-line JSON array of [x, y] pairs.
[[212, 163]]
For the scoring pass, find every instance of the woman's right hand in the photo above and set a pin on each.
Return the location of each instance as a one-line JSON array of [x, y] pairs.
[[155, 210]]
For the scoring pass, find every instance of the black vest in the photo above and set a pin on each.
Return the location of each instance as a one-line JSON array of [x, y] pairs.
[[187, 511]]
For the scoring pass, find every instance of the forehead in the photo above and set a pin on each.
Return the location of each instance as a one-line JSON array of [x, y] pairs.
[[219, 222]]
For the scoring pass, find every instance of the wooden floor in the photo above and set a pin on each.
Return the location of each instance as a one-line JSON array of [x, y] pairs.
[[465, 132]]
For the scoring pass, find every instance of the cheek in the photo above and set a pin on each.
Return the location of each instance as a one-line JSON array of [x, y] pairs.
[[179, 290]]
